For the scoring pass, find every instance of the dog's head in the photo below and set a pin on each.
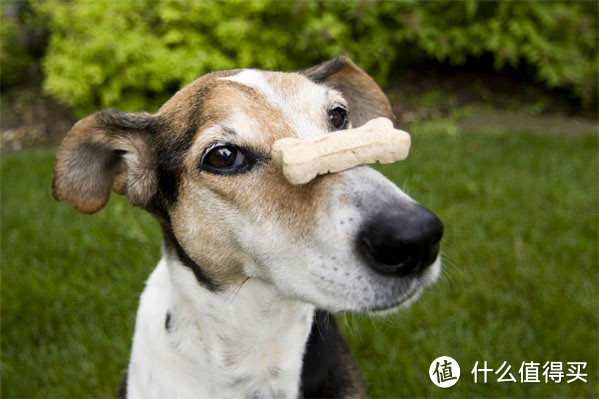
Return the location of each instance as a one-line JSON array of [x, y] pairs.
[[201, 165]]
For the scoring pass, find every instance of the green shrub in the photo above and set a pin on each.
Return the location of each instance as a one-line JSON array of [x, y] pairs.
[[14, 55], [133, 55]]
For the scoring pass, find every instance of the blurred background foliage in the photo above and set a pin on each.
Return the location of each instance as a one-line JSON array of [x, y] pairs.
[[133, 55], [24, 41]]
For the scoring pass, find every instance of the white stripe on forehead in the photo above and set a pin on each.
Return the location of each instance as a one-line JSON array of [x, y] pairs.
[[302, 102]]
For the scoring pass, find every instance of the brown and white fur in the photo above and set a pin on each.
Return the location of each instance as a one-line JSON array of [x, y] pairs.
[[247, 257]]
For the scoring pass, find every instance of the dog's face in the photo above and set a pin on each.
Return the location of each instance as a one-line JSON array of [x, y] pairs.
[[201, 165]]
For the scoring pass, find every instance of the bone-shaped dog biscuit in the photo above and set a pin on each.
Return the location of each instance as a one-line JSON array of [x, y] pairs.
[[303, 159]]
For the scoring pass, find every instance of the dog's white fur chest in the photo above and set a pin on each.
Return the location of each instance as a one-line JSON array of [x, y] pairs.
[[246, 342]]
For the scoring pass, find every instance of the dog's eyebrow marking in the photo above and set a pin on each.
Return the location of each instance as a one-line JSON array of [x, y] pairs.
[[229, 131], [167, 321]]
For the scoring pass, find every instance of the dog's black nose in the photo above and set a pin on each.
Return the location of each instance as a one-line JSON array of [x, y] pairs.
[[401, 241]]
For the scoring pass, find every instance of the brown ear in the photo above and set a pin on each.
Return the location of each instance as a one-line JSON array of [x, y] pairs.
[[366, 99], [104, 151]]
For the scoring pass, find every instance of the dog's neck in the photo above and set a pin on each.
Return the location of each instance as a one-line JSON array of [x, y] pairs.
[[246, 341]]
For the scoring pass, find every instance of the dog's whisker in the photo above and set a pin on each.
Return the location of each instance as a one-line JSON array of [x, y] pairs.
[[448, 261], [325, 321], [391, 320], [236, 291], [355, 326], [373, 322], [446, 277], [346, 323]]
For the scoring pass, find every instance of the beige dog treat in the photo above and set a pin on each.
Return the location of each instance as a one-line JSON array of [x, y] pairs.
[[303, 159]]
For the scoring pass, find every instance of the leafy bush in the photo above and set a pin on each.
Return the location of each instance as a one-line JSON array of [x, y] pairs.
[[22, 35], [13, 58], [133, 55]]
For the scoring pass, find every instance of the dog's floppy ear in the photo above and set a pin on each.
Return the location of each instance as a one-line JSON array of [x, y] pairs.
[[106, 150], [366, 99]]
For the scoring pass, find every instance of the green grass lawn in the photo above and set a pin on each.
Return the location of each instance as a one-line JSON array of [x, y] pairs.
[[520, 280]]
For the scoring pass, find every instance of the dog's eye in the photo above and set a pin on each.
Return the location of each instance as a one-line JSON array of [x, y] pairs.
[[223, 157], [338, 118]]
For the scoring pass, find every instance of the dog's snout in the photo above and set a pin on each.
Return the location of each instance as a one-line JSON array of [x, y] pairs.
[[399, 242]]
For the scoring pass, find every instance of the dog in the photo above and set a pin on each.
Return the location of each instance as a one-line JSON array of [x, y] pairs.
[[251, 265]]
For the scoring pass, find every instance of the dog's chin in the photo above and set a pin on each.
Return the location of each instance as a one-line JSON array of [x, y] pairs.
[[412, 294], [392, 307]]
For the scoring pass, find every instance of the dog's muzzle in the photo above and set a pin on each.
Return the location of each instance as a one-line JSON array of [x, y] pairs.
[[400, 241]]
